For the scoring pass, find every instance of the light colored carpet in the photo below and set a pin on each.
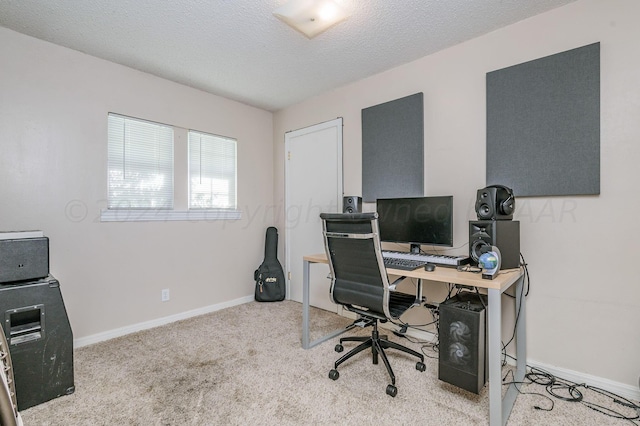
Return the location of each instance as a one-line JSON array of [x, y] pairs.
[[245, 366]]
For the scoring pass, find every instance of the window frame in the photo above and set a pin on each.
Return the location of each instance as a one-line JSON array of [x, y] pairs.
[[138, 153], [173, 213], [218, 163]]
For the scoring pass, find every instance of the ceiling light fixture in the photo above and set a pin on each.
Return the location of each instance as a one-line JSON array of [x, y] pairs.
[[311, 17]]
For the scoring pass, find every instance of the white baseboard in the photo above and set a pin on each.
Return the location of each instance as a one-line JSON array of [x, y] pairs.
[[621, 389], [106, 335], [422, 335]]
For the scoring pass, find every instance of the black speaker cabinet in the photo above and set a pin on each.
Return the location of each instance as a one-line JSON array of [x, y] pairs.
[[500, 233], [462, 359], [351, 204], [40, 340], [24, 259], [495, 202]]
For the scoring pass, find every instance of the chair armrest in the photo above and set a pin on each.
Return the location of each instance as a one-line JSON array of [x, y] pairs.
[[393, 285]]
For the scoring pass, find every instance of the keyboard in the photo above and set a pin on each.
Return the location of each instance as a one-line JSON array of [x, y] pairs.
[[404, 264], [420, 259]]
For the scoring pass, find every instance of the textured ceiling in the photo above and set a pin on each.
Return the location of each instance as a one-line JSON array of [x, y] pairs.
[[239, 50]]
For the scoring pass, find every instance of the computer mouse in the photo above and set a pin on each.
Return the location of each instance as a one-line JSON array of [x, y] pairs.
[[429, 267]]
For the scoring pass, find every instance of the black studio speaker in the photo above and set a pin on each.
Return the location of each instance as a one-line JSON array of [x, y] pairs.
[[495, 202], [499, 233], [462, 359], [351, 204], [40, 340]]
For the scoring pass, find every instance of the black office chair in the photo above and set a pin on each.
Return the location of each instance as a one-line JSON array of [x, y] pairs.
[[360, 283]]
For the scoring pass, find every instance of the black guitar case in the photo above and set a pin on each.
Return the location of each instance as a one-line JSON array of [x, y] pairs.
[[269, 277]]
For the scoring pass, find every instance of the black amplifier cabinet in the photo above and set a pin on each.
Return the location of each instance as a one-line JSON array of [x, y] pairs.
[[462, 359], [39, 339], [23, 258]]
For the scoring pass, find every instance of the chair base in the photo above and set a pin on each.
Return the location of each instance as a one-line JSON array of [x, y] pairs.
[[378, 344]]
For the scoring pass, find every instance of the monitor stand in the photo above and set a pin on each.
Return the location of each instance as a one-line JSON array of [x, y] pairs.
[[414, 248]]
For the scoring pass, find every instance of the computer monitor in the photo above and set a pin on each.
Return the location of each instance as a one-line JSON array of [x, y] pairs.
[[416, 221]]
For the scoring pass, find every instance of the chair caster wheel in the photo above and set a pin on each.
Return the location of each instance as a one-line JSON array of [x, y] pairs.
[[339, 348], [392, 390], [420, 366], [333, 374]]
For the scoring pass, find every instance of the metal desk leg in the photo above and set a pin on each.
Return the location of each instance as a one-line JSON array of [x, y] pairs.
[[495, 351], [500, 408], [306, 344], [305, 304]]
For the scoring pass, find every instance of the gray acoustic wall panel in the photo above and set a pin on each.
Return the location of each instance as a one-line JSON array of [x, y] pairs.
[[543, 124], [393, 149]]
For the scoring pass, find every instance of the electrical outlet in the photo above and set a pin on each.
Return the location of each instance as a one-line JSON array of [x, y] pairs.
[[165, 295]]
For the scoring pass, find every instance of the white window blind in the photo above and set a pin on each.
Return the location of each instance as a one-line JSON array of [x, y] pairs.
[[212, 171], [140, 164]]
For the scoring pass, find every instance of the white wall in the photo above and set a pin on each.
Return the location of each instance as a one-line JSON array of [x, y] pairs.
[[584, 304], [53, 129]]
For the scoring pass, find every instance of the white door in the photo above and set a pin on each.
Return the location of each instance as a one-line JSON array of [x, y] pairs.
[[313, 185]]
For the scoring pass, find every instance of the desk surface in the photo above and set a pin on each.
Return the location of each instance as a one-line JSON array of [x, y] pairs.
[[502, 281]]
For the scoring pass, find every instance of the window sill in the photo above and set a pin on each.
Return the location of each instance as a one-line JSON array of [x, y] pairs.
[[168, 215]]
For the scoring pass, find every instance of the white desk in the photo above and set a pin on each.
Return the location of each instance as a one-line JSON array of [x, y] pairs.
[[499, 408]]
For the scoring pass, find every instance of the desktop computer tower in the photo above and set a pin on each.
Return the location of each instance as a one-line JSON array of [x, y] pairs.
[[39, 339], [462, 359], [504, 234]]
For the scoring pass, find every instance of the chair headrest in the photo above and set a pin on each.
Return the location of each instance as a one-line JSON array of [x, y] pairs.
[[348, 217]]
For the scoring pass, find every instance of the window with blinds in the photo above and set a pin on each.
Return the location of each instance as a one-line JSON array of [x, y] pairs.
[[140, 164], [212, 171]]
